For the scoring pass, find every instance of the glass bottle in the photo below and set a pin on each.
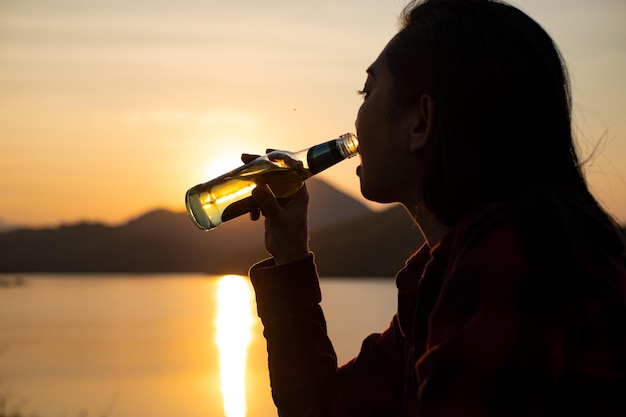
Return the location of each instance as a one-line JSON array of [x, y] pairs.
[[230, 195]]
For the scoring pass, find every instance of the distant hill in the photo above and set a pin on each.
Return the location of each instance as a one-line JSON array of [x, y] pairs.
[[4, 226], [374, 245], [349, 239]]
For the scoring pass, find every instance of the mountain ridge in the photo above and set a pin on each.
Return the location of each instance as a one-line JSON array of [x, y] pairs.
[[165, 241], [347, 238]]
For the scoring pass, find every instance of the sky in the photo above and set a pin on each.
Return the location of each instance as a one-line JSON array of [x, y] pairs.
[[112, 108]]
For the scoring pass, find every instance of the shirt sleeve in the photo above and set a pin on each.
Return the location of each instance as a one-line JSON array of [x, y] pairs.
[[496, 341], [304, 374]]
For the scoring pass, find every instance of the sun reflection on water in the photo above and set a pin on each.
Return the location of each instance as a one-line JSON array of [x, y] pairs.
[[234, 321]]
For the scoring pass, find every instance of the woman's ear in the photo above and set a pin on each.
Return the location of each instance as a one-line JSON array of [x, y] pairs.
[[423, 123]]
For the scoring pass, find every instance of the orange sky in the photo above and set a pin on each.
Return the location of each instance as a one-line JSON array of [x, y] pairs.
[[111, 108]]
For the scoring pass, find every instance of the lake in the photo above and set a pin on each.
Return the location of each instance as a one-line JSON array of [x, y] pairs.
[[155, 345]]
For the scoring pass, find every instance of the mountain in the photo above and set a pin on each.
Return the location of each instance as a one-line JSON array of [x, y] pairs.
[[349, 239], [374, 245], [4, 226]]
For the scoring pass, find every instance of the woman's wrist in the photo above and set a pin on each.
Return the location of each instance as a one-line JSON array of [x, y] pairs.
[[287, 258]]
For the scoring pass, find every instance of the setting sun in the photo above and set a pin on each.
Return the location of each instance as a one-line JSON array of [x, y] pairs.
[[220, 166], [226, 161]]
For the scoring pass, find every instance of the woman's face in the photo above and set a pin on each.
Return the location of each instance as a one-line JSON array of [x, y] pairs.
[[388, 170]]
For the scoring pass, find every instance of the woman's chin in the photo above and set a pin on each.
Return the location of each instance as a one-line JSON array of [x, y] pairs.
[[372, 195]]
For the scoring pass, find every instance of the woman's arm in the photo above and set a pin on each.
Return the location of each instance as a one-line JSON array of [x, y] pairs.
[[304, 375]]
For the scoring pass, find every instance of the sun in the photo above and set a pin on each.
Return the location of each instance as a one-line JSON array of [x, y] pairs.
[[222, 164], [227, 157]]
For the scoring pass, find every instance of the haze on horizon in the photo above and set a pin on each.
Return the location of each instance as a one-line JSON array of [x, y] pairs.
[[110, 109]]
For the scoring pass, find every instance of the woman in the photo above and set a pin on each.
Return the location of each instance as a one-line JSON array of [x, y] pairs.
[[515, 304]]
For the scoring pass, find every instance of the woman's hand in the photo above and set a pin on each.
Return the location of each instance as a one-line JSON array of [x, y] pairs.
[[286, 226]]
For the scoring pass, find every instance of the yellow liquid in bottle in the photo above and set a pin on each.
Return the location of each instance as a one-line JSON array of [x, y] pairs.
[[229, 196]]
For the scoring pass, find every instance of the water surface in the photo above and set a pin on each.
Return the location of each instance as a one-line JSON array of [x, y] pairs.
[[156, 345]]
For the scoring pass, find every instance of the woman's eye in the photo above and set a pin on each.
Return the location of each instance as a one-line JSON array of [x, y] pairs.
[[363, 93]]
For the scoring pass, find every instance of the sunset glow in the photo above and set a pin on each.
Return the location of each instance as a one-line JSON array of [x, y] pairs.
[[220, 166], [111, 109], [234, 321]]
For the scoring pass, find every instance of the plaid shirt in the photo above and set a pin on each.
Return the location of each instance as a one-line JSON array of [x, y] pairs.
[[474, 335]]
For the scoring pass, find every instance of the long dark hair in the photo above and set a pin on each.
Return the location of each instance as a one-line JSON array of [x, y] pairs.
[[503, 104]]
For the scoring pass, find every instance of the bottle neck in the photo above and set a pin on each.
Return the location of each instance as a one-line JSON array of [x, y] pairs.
[[325, 155]]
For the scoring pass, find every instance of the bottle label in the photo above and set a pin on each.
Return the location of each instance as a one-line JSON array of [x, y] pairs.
[[323, 156]]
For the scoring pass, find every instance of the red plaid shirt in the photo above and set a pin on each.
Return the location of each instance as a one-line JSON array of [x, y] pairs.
[[474, 335]]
